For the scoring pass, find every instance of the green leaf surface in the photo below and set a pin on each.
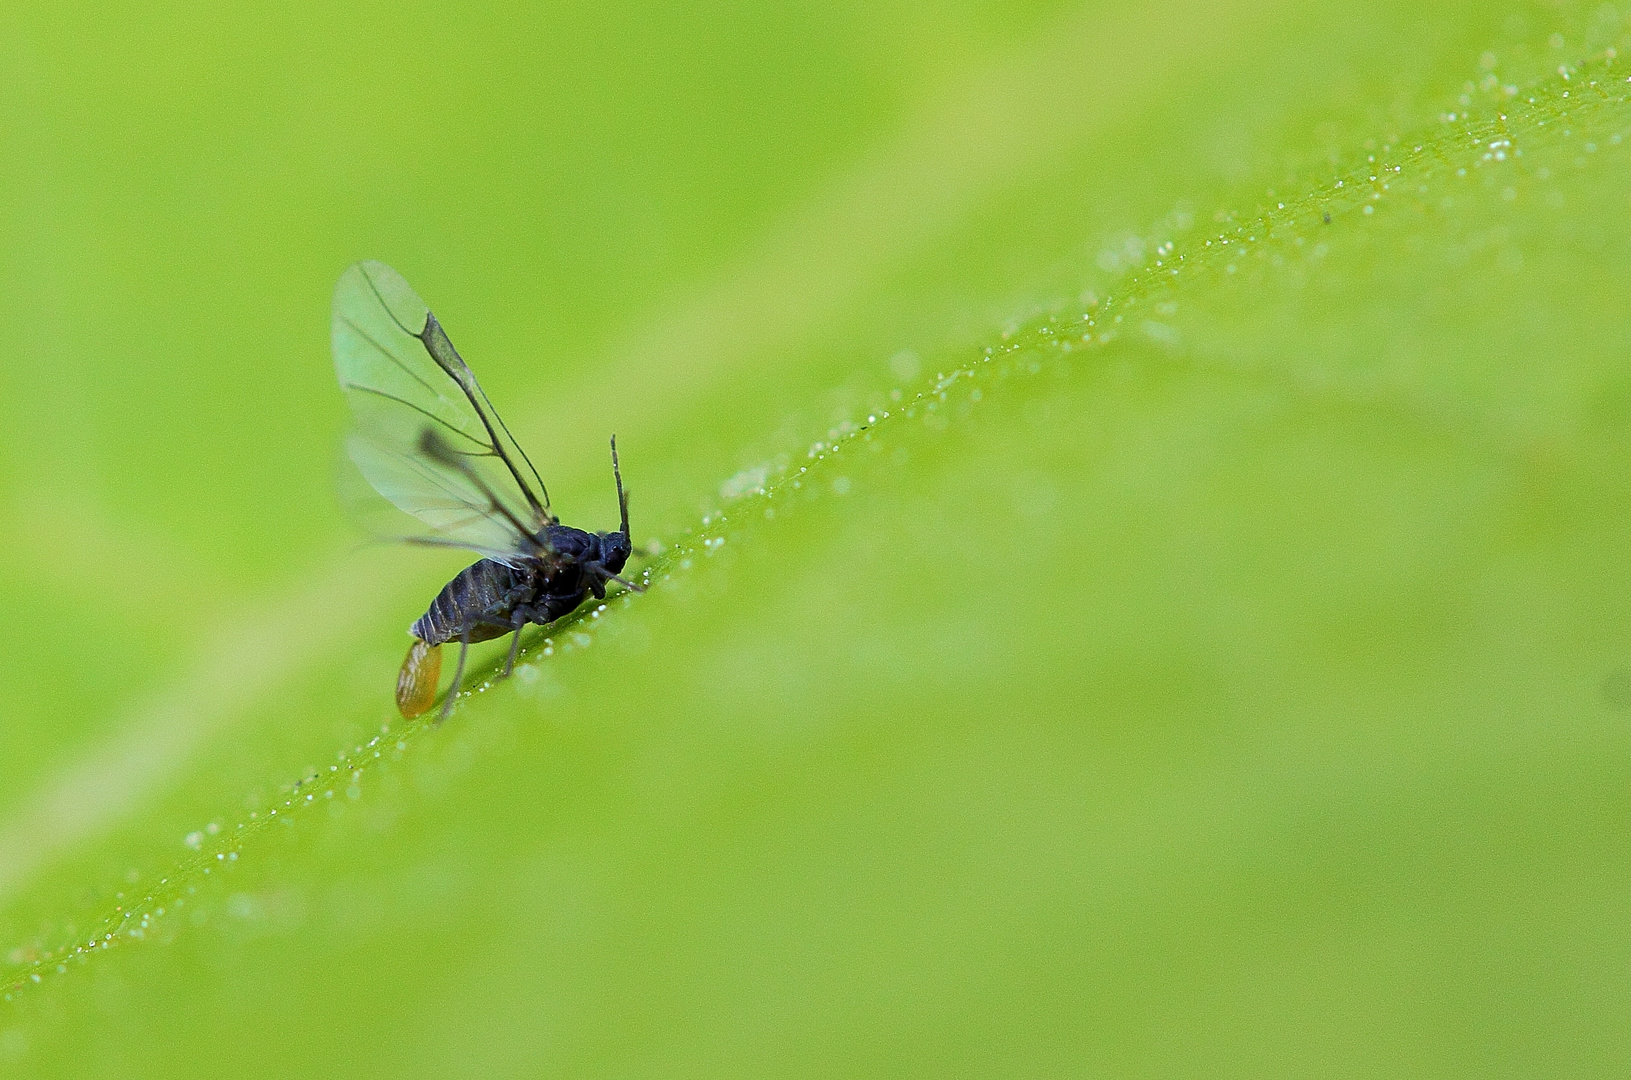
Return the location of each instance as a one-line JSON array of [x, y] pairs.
[[1142, 507]]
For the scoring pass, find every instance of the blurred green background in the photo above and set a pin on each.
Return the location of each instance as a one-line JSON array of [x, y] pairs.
[[1242, 692]]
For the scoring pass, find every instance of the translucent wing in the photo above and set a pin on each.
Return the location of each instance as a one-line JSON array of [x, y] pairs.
[[426, 437]]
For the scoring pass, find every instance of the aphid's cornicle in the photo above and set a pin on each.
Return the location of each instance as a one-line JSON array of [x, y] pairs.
[[431, 443]]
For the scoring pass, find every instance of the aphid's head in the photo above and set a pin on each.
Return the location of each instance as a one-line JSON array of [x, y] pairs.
[[614, 551]]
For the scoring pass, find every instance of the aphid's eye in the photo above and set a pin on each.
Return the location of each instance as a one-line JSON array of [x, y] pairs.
[[416, 682]]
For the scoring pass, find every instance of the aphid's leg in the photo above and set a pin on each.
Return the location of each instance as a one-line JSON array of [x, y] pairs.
[[520, 620], [523, 614], [458, 678], [626, 583], [599, 587]]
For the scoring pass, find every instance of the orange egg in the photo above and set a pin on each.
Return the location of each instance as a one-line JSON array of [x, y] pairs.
[[416, 682]]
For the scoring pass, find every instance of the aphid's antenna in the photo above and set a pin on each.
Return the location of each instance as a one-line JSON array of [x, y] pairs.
[[623, 508], [622, 496]]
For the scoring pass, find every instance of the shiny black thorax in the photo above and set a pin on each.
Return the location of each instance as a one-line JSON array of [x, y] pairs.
[[489, 599]]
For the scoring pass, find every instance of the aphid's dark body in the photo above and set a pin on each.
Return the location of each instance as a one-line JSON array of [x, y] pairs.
[[489, 599], [431, 443]]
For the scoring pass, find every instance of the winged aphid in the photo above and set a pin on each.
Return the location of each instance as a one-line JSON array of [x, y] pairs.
[[429, 441]]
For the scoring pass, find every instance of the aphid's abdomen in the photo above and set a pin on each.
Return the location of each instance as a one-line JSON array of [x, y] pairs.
[[478, 588], [416, 682]]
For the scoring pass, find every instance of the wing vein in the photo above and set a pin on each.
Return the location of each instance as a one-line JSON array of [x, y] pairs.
[[422, 412], [389, 355], [479, 490], [472, 388]]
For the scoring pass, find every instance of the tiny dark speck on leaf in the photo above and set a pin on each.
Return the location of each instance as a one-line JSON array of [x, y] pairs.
[[1327, 217]]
